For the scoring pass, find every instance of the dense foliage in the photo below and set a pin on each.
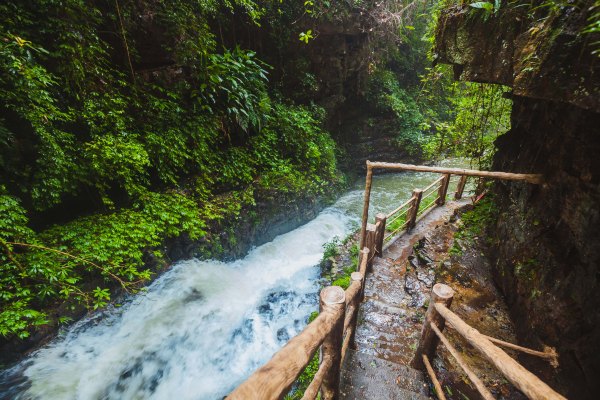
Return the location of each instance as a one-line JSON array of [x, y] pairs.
[[474, 116], [103, 157], [429, 114]]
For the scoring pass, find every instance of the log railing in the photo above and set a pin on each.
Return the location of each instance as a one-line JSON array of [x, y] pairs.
[[405, 217], [332, 332], [439, 314]]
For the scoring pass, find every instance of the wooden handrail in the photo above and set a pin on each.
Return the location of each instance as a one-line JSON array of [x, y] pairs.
[[434, 183], [428, 194], [371, 165], [406, 203], [354, 297], [549, 354], [438, 314], [413, 212], [291, 360], [440, 293], [436, 384], [354, 288], [363, 260], [483, 391], [312, 390], [531, 178], [401, 227], [332, 345], [333, 330], [399, 215], [424, 211], [349, 313], [528, 383]]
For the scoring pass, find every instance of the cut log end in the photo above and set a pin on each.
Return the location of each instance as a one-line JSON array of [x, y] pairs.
[[356, 276], [333, 295], [443, 291]]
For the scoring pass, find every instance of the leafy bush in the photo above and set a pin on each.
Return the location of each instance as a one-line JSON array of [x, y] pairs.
[[331, 248], [148, 157], [309, 372], [104, 249], [234, 84], [389, 97], [465, 122]]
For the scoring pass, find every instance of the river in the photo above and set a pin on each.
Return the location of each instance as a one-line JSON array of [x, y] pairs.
[[202, 327]]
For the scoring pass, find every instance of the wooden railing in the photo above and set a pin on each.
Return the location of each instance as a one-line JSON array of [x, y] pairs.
[[405, 217], [332, 332], [438, 314]]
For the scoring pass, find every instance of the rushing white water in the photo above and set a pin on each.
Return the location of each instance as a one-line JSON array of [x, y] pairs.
[[203, 326]]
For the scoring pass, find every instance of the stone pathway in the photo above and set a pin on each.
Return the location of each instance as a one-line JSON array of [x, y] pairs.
[[391, 317]]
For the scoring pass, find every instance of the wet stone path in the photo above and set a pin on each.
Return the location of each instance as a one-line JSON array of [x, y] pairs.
[[396, 297], [397, 291], [391, 317]]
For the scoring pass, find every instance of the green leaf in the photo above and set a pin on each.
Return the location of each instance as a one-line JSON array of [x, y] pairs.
[[482, 5]]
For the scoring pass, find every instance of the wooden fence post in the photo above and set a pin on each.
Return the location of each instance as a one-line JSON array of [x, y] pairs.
[[427, 344], [380, 219], [365, 216], [479, 188], [370, 244], [411, 214], [460, 188], [333, 299], [443, 190], [362, 268], [364, 253], [355, 276]]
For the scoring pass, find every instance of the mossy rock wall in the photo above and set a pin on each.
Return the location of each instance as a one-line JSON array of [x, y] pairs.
[[546, 239]]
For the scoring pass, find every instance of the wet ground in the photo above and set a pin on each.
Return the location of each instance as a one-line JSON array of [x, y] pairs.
[[478, 302], [397, 295], [397, 291]]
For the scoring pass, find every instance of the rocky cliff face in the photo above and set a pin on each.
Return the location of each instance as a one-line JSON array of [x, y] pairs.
[[546, 238], [339, 59], [540, 56]]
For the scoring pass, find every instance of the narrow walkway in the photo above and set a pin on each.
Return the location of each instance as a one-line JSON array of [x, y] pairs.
[[390, 319]]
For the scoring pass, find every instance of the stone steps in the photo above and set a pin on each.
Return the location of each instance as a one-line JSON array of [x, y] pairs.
[[390, 321], [366, 377]]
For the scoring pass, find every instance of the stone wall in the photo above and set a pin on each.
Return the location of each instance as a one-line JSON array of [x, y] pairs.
[[546, 240]]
